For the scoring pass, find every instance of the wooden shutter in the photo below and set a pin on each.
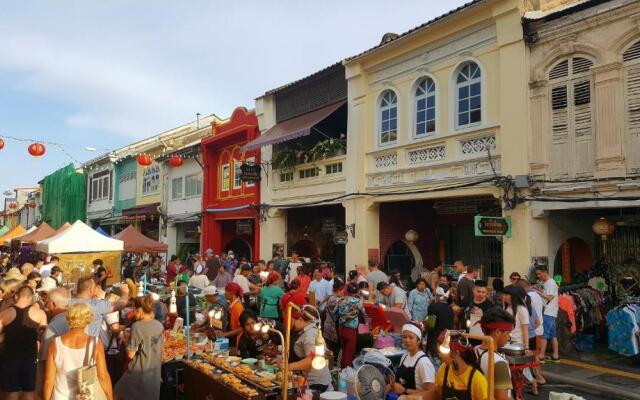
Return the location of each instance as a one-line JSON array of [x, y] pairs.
[[582, 108], [559, 130]]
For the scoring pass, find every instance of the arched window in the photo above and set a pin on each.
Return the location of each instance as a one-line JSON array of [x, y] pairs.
[[425, 107], [468, 95], [388, 117]]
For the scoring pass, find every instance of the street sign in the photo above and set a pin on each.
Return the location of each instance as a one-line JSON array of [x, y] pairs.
[[250, 173], [328, 225], [492, 226], [244, 227]]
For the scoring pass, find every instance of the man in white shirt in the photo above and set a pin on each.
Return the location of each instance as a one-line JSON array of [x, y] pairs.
[[45, 271], [242, 280], [292, 268], [460, 269], [321, 287], [550, 294]]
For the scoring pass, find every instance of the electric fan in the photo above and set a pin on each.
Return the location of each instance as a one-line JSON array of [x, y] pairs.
[[370, 383]]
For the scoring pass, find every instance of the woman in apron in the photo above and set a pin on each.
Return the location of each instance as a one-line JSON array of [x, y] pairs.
[[415, 374], [458, 378]]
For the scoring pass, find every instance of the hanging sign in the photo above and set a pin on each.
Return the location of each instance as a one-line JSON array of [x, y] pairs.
[[492, 226], [244, 227], [341, 237], [328, 225], [250, 173]]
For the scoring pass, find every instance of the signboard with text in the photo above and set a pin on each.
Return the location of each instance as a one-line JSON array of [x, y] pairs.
[[250, 173], [492, 226]]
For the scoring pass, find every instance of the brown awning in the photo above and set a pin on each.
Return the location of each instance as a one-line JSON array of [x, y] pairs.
[[147, 209], [293, 128]]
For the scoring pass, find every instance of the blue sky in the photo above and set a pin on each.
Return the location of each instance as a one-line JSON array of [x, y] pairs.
[[103, 74]]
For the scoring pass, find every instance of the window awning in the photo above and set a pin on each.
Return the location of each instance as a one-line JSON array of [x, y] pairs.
[[293, 128]]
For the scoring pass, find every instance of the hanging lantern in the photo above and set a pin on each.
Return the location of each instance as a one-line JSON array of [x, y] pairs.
[[13, 206], [603, 228], [32, 205], [144, 160], [1, 144], [176, 161], [36, 149]]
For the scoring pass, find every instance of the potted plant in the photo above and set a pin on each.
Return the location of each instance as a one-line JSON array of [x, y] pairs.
[[285, 158]]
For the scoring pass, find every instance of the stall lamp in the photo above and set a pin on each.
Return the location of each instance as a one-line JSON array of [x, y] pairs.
[[319, 361], [444, 347], [365, 293], [173, 308]]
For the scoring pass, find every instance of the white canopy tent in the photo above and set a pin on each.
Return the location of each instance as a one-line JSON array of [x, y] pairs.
[[79, 238]]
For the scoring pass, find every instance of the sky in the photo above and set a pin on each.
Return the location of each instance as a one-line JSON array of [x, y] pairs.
[[103, 74]]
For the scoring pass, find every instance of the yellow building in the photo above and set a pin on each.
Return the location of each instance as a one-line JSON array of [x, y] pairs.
[[435, 116]]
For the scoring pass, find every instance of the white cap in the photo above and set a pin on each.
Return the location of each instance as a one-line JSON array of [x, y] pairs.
[[200, 269], [47, 285], [209, 291]]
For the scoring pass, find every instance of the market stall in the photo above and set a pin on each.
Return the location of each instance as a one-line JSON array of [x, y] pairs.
[[42, 232], [136, 242], [15, 231], [77, 246]]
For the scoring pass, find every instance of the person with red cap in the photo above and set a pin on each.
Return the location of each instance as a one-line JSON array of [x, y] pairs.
[[233, 294], [498, 324], [270, 296], [293, 295]]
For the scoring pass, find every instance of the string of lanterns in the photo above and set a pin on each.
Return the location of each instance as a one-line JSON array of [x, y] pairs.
[[35, 149]]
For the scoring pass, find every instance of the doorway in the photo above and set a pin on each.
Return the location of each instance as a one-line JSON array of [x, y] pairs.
[[573, 257], [240, 247]]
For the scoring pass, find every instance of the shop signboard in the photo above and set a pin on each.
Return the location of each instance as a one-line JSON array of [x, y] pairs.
[[492, 226], [250, 173], [244, 227], [341, 237], [328, 225]]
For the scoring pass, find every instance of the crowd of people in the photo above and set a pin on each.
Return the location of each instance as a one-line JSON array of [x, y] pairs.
[[53, 336]]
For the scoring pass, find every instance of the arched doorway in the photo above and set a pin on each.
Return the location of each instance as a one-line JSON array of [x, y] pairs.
[[306, 248], [573, 257], [240, 247], [405, 257]]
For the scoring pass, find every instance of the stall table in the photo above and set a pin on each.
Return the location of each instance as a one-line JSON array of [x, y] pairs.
[[517, 364], [200, 386]]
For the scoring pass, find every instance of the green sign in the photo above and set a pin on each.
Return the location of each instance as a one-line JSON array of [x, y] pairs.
[[492, 226]]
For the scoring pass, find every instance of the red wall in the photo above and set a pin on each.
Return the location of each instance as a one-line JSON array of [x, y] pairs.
[[222, 147]]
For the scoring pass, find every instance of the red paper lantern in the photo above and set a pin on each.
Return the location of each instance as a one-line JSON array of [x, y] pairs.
[[36, 149], [144, 160], [175, 161], [32, 205], [13, 206], [1, 144]]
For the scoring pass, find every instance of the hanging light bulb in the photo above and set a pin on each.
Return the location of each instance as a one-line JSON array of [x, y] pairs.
[[319, 362], [257, 326], [265, 328], [173, 308], [444, 347]]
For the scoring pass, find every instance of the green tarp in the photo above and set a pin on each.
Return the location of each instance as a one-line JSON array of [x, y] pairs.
[[64, 197]]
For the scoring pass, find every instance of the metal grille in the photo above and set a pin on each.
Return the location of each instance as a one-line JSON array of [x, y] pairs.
[[622, 245], [427, 154], [477, 145], [468, 205], [461, 244], [305, 97]]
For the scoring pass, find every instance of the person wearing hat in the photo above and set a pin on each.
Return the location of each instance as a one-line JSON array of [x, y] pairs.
[[415, 374], [391, 296], [270, 295], [199, 279], [497, 324], [233, 294], [458, 378], [319, 380]]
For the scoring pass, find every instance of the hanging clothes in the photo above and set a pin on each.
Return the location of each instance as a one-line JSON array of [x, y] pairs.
[[624, 329]]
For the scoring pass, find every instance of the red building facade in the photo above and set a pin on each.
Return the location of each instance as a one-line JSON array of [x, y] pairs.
[[229, 219]]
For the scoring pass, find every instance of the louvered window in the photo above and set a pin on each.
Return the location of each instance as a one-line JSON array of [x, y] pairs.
[[631, 58], [571, 117]]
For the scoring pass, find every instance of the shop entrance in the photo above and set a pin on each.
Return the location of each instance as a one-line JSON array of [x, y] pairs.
[[240, 247], [573, 257], [306, 248]]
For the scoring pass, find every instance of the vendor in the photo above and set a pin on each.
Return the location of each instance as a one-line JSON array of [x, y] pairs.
[[319, 379], [214, 302], [457, 377], [416, 374], [252, 343], [497, 324], [233, 294], [391, 296], [181, 302]]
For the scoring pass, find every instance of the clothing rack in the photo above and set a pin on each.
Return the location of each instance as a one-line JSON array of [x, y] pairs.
[[570, 288]]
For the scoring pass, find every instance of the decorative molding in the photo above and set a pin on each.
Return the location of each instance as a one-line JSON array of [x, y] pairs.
[[477, 145], [386, 160], [426, 154]]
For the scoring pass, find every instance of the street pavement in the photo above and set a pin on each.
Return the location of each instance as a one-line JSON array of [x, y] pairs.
[[560, 388]]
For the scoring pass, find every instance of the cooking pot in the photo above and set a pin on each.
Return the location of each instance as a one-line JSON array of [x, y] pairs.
[[513, 349]]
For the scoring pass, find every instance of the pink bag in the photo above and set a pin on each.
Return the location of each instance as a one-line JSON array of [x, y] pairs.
[[363, 329]]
